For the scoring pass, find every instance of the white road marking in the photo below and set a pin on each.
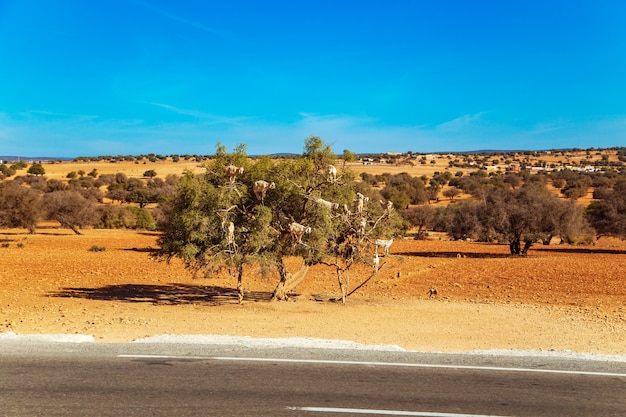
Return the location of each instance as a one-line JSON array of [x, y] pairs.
[[394, 364], [384, 412]]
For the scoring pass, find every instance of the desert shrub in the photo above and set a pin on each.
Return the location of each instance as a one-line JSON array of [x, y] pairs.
[[5, 244], [96, 248], [20, 245], [7, 171]]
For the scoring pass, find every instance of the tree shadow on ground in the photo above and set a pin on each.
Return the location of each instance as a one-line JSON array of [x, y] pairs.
[[171, 294], [481, 255], [583, 250], [145, 250]]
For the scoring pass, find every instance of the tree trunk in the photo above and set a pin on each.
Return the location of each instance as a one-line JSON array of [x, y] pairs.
[[343, 279], [288, 281], [515, 246], [72, 227], [527, 245], [240, 283]]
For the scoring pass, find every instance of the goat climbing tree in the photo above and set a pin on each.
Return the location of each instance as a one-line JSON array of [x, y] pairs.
[[217, 221]]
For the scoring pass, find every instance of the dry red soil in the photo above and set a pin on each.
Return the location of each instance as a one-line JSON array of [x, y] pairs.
[[558, 298]]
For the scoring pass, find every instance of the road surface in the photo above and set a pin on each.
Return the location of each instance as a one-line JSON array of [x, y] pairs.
[[92, 379]]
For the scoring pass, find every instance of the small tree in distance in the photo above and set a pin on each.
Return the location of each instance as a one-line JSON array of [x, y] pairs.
[[70, 209], [36, 169], [19, 206], [525, 215]]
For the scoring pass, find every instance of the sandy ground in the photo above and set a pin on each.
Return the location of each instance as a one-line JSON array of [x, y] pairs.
[[558, 298]]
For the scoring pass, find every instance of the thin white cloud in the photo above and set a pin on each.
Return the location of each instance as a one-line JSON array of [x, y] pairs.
[[205, 117], [187, 22]]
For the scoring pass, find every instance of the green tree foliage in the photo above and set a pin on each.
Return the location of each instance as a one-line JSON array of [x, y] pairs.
[[6, 171], [215, 223], [451, 193], [403, 189], [36, 169], [608, 215], [19, 206]]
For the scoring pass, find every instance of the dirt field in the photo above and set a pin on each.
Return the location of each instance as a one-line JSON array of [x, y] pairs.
[[558, 298]]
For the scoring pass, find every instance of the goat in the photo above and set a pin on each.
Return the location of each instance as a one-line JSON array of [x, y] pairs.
[[261, 187], [326, 204], [332, 173], [232, 172], [362, 225], [297, 230], [384, 244], [388, 206], [230, 233], [359, 202]]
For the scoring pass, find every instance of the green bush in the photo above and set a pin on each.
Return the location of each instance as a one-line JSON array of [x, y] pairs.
[[96, 248]]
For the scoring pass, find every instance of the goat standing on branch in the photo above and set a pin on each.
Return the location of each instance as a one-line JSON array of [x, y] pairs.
[[297, 230], [388, 206], [332, 173], [232, 172], [260, 189], [230, 233], [359, 202], [325, 203]]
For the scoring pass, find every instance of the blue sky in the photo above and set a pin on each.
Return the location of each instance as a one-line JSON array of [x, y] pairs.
[[152, 76]]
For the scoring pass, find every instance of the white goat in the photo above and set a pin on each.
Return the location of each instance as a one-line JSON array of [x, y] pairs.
[[297, 230], [230, 233], [384, 244], [326, 204], [359, 202], [232, 172], [362, 225], [260, 189], [332, 173]]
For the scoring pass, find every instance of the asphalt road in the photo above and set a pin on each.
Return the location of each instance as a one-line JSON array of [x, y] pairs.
[[59, 379]]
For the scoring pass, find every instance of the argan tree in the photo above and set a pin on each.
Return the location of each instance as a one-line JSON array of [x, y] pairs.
[[239, 212], [517, 216], [608, 215], [70, 209], [19, 206]]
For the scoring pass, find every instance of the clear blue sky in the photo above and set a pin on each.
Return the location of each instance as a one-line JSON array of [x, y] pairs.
[[113, 77]]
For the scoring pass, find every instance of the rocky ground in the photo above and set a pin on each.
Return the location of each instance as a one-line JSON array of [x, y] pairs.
[[558, 298]]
